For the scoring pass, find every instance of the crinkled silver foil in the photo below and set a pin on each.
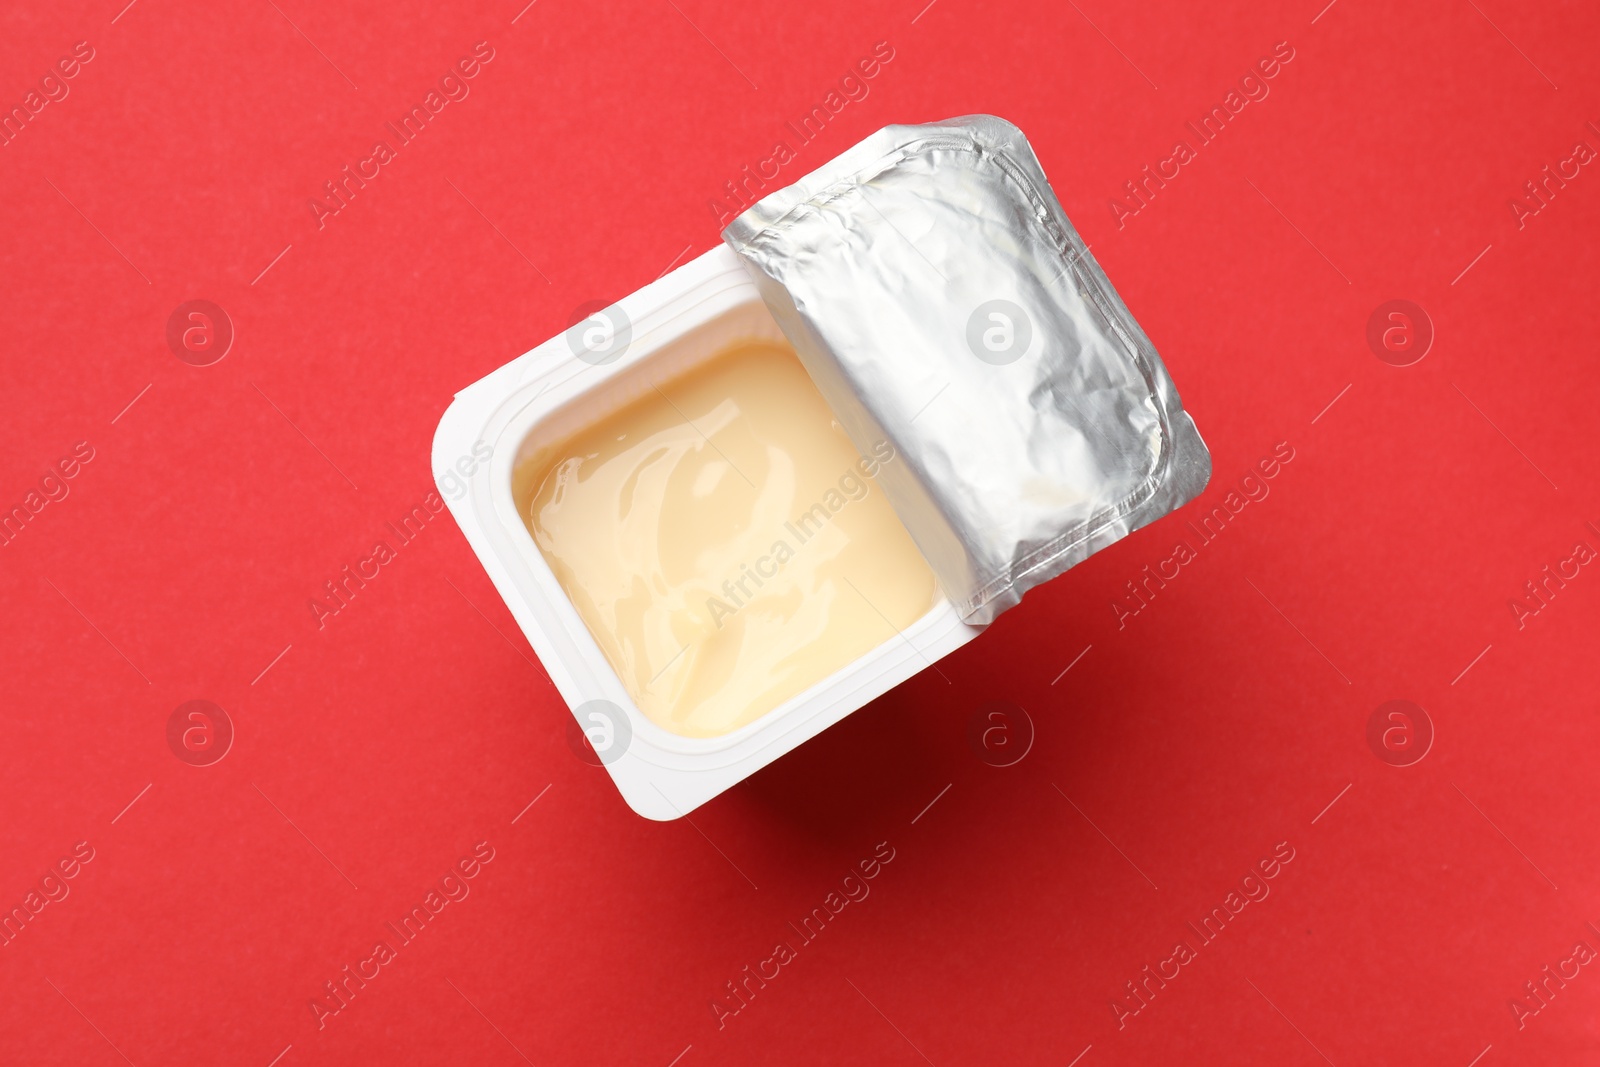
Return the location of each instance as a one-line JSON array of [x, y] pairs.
[[941, 300]]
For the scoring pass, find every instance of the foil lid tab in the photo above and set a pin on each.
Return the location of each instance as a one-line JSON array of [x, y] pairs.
[[941, 300]]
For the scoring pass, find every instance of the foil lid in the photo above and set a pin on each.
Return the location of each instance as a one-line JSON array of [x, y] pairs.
[[941, 301]]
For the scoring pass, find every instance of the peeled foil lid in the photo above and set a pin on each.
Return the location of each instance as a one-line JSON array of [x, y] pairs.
[[941, 301]]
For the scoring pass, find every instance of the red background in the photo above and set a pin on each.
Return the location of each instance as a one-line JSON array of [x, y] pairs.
[[1222, 720]]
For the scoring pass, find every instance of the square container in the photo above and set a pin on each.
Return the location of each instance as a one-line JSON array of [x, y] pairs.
[[685, 318]]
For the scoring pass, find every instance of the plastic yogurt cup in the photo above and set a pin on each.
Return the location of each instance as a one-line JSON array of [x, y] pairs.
[[744, 501]]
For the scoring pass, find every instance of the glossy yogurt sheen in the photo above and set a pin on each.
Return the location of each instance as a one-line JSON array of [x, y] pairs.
[[724, 543]]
